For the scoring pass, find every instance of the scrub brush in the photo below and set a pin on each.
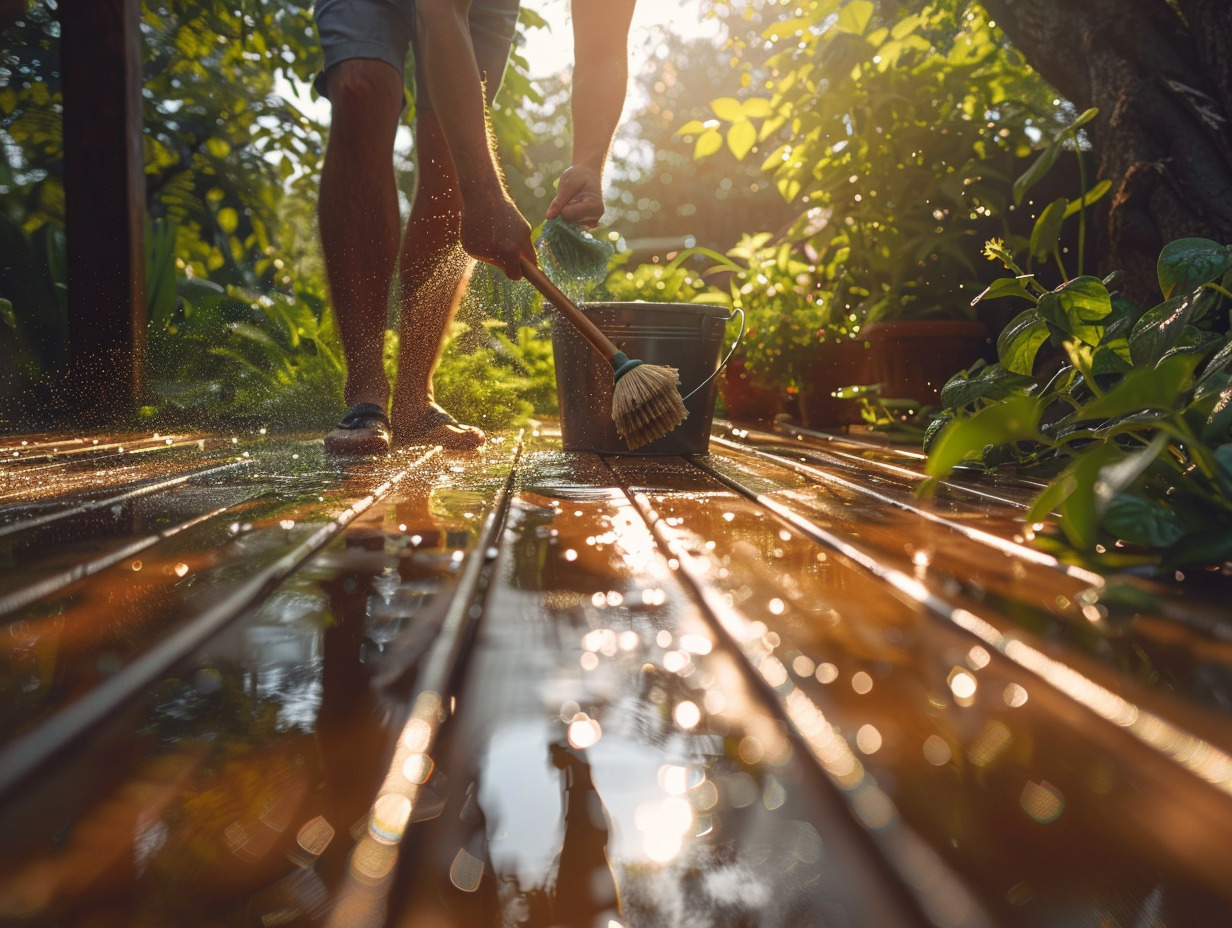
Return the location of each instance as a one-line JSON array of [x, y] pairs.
[[570, 254]]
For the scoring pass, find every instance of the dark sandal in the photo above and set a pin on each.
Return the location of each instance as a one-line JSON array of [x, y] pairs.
[[363, 432], [437, 427]]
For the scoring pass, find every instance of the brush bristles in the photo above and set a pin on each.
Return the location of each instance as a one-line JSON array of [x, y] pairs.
[[646, 404]]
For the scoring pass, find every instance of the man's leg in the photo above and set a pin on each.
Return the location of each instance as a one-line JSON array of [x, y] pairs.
[[359, 220], [433, 271]]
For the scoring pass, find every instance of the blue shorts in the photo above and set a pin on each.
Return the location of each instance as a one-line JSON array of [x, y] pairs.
[[385, 30]]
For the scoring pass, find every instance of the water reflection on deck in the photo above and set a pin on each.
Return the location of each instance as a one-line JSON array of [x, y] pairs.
[[768, 686]]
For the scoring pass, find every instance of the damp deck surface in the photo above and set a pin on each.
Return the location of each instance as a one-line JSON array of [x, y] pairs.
[[772, 685]]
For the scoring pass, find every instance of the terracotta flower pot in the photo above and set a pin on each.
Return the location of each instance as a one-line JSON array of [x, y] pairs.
[[744, 397], [844, 362], [913, 359]]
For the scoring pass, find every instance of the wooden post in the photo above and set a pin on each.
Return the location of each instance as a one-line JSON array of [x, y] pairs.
[[104, 186]]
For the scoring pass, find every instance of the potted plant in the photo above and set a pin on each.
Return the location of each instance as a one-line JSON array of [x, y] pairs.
[[915, 350], [921, 340], [897, 129], [793, 347], [746, 395]]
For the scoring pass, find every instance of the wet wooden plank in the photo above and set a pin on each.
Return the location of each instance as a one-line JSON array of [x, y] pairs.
[[606, 750], [695, 615], [47, 485], [257, 751], [1012, 768], [1020, 590], [880, 464], [98, 644], [1175, 638]]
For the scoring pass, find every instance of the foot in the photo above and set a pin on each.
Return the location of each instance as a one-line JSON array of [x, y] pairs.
[[363, 432], [434, 426]]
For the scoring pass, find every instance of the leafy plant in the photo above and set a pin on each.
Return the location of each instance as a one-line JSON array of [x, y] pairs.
[[676, 280], [895, 129], [787, 313], [236, 290], [1137, 418], [33, 321], [902, 420], [218, 354], [492, 386]]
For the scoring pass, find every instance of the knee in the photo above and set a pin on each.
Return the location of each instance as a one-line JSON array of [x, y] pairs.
[[364, 88]]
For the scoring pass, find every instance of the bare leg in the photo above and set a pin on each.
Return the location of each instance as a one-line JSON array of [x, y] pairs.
[[359, 220], [433, 272]]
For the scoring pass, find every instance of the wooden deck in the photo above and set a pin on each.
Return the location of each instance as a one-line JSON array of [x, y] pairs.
[[765, 686]]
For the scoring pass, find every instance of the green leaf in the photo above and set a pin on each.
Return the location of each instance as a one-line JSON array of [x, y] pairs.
[[1160, 387], [1077, 303], [756, 108], [1032, 176], [7, 314], [1223, 461], [1002, 287], [727, 108], [1080, 357], [1046, 234], [992, 383], [1188, 263], [1111, 357], [1142, 521], [1161, 328], [1083, 118], [855, 16], [741, 138], [254, 334], [708, 143], [1020, 341], [1017, 419], [1072, 495], [1219, 363], [1119, 475], [769, 126], [774, 159], [788, 188], [1194, 340], [160, 274], [1092, 196], [228, 219], [1216, 425]]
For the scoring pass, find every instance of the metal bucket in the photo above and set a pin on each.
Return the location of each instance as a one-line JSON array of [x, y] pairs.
[[686, 336]]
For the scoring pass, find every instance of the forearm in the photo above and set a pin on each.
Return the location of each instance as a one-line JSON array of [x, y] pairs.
[[600, 76]]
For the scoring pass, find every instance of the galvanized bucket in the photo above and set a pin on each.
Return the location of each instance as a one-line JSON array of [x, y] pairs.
[[686, 336]]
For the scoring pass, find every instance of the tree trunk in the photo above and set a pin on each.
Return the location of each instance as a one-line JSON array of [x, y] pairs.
[[1164, 134]]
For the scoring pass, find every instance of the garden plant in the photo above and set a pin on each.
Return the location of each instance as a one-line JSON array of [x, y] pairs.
[[1133, 420]]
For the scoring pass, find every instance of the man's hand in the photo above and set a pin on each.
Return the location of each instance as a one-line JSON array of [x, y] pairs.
[[494, 231], [579, 197]]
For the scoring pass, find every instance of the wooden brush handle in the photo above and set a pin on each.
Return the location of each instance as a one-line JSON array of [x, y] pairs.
[[569, 310]]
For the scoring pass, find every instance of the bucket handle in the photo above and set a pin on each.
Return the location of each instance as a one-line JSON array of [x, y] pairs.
[[718, 370]]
